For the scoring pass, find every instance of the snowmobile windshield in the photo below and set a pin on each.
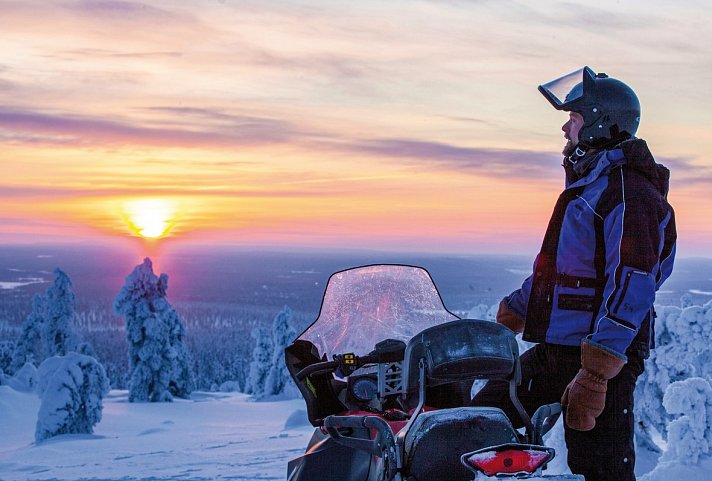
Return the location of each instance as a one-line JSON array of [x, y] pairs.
[[565, 90], [366, 305]]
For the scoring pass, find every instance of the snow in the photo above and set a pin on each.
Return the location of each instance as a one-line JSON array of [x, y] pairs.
[[72, 388], [210, 436], [227, 435], [702, 293], [690, 435], [158, 360], [25, 379], [15, 285]]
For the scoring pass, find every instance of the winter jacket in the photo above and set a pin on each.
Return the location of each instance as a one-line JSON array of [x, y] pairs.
[[609, 246]]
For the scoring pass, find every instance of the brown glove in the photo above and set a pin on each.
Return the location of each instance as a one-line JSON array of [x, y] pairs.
[[508, 318], [585, 396]]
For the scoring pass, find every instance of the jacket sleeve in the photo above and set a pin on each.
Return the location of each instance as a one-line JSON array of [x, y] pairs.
[[639, 236], [519, 299]]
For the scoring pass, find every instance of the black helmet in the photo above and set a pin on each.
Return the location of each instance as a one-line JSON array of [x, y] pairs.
[[610, 109]]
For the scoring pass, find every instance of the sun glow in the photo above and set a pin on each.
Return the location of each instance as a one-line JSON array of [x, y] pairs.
[[150, 218]]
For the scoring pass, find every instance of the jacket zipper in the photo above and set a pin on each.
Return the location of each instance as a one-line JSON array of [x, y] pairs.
[[625, 288]]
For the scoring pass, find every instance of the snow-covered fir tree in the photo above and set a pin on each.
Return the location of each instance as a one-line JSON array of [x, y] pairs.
[[690, 434], [682, 350], [159, 365], [278, 380], [59, 337], [25, 379], [71, 388], [6, 350], [86, 349], [29, 346], [261, 362], [182, 380]]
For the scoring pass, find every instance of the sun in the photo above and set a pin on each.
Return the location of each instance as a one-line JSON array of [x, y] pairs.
[[150, 218]]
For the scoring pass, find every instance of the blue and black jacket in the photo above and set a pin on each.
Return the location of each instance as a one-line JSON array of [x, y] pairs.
[[609, 246]]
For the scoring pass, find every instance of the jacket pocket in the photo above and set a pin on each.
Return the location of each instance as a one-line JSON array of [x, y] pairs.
[[638, 292], [576, 302]]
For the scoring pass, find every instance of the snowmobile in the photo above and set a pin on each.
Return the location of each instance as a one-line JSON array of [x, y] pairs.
[[386, 372]]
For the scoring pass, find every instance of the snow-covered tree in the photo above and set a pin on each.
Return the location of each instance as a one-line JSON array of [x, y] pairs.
[[159, 365], [25, 379], [261, 362], [182, 380], [71, 388], [29, 346], [278, 380], [59, 336], [689, 439], [6, 350], [689, 435], [86, 349], [682, 351], [480, 311]]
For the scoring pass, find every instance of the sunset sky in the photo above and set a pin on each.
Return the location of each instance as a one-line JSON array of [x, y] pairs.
[[412, 125]]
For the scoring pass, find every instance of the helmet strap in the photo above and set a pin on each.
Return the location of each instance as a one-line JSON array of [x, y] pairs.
[[576, 154]]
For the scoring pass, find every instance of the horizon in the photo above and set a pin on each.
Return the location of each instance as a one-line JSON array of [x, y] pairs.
[[143, 249], [322, 125]]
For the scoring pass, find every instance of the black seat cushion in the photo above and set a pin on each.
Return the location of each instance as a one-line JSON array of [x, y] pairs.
[[437, 439]]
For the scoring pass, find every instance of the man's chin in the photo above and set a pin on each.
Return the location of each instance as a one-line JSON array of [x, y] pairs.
[[568, 148]]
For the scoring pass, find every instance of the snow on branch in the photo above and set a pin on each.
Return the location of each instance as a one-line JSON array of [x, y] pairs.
[[72, 388]]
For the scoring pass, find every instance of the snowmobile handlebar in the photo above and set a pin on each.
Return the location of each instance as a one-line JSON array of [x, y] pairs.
[[346, 363], [319, 367], [543, 420]]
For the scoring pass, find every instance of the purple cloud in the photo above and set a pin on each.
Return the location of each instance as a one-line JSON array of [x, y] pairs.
[[242, 130], [219, 129], [517, 163]]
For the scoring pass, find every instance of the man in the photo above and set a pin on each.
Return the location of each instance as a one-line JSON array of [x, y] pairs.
[[609, 246]]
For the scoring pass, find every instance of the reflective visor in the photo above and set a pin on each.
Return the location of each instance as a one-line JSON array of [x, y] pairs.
[[565, 90]]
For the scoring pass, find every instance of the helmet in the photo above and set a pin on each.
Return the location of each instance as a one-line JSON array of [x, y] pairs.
[[610, 109]]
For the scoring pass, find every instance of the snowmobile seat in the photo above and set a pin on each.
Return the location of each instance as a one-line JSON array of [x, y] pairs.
[[466, 349], [456, 353], [437, 439]]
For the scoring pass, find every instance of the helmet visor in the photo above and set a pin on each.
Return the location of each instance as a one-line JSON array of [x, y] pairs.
[[564, 91]]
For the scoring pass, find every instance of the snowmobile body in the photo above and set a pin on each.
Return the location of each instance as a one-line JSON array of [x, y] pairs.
[[386, 372]]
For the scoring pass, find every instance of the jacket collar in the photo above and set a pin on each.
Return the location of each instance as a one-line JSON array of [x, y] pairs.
[[633, 153]]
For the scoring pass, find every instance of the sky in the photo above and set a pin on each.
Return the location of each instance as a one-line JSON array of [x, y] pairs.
[[400, 125]]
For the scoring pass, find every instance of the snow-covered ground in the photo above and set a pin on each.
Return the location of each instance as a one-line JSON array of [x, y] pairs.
[[211, 436], [216, 436]]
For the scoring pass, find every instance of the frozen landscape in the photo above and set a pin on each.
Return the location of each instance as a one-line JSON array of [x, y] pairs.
[[210, 436], [223, 433]]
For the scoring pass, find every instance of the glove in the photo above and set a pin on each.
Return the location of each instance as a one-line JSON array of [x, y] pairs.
[[508, 318], [585, 396]]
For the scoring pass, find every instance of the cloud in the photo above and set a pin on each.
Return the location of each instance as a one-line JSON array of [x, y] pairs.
[[67, 128], [510, 163], [219, 129], [685, 172], [188, 188], [496, 162], [95, 53], [120, 10]]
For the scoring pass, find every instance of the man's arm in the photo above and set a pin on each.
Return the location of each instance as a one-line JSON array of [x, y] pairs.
[[518, 300], [512, 310], [639, 255]]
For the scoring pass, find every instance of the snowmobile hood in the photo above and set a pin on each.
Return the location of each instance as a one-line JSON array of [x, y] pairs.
[[638, 157]]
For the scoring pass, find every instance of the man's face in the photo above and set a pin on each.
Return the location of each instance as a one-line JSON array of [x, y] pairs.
[[571, 131]]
